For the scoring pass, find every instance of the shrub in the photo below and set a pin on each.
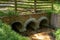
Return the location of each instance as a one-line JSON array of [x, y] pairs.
[[7, 34], [56, 7], [57, 33]]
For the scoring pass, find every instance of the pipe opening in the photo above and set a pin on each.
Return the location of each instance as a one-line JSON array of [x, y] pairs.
[[43, 23], [45, 27], [31, 25], [16, 26]]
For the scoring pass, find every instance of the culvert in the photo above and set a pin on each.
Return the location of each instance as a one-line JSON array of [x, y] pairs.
[[31, 24], [17, 26], [43, 22], [45, 26]]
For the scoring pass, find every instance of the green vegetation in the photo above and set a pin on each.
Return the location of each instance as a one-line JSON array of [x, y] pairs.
[[8, 13], [6, 33], [57, 33], [5, 30], [56, 8]]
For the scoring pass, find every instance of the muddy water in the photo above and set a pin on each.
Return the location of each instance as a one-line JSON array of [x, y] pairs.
[[40, 34]]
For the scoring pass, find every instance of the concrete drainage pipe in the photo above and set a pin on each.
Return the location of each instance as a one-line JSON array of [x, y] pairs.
[[31, 24], [43, 22], [17, 26], [44, 25]]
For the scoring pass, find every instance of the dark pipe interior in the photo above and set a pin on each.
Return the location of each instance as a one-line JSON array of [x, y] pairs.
[[43, 23], [44, 26], [30, 26], [16, 26]]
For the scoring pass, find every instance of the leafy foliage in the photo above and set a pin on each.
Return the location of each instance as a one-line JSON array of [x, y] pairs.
[[7, 34], [57, 33], [56, 8]]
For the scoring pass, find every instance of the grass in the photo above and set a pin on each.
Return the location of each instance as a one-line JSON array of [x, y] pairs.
[[8, 13]]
